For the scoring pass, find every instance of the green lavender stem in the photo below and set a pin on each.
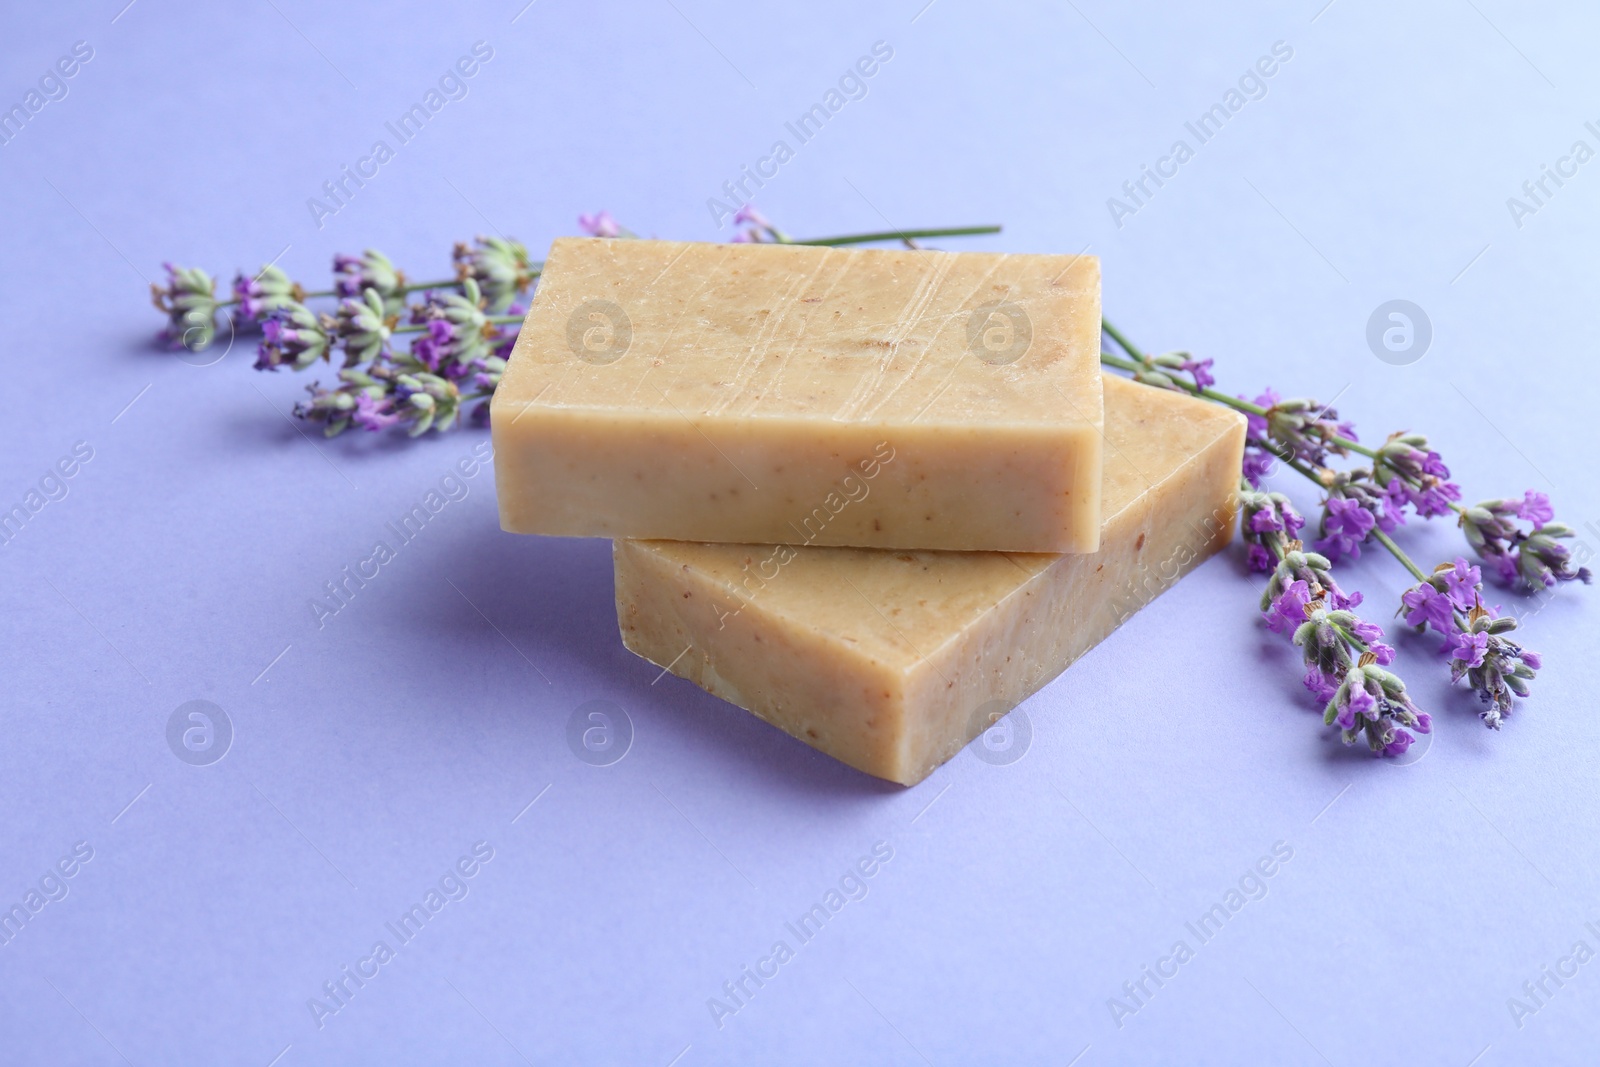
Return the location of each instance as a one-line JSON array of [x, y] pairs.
[[447, 283], [496, 320], [890, 235]]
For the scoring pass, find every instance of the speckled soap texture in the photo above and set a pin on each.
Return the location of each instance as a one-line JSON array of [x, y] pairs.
[[892, 661], [764, 393]]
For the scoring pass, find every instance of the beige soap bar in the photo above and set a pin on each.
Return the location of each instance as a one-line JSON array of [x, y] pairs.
[[765, 393], [892, 661]]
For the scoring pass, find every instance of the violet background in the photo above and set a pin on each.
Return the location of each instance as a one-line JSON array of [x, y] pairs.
[[1020, 898]]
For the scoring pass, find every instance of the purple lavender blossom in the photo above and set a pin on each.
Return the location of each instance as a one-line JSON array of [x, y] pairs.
[[1469, 648], [1346, 524], [1288, 609], [1159, 371], [1535, 508], [1426, 606], [501, 268], [373, 413], [458, 337], [371, 270], [1534, 560], [1462, 582], [600, 224], [1258, 464], [1201, 372], [1300, 428], [189, 301], [1497, 668], [1372, 703], [294, 336], [269, 290]]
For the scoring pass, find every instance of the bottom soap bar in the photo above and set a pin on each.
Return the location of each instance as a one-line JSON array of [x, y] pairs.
[[891, 661]]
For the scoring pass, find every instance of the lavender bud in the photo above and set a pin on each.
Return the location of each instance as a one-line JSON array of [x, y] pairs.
[[190, 303], [500, 268]]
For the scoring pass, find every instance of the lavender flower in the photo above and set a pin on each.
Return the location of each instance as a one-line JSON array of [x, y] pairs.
[[363, 327], [294, 335], [189, 301], [1450, 601], [458, 336], [373, 412], [600, 224], [1534, 559], [501, 268], [427, 401], [361, 399], [1425, 606], [1258, 464], [1344, 655], [1535, 507], [268, 291], [1262, 514], [371, 270], [1158, 371], [1413, 472], [757, 228], [1371, 702], [1345, 660], [1301, 429], [1345, 524], [1496, 668]]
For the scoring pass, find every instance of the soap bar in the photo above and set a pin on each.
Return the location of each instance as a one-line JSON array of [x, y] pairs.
[[892, 661], [764, 393]]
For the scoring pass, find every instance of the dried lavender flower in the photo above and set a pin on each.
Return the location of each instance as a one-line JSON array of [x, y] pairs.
[[501, 269], [364, 327], [371, 271], [293, 335], [264, 293], [458, 334], [1300, 429], [1159, 371], [189, 300], [1533, 560]]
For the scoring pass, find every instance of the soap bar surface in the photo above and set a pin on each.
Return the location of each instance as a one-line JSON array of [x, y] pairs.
[[892, 661], [764, 393]]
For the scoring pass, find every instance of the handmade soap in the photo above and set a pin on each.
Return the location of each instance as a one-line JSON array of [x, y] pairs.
[[892, 661], [765, 393]]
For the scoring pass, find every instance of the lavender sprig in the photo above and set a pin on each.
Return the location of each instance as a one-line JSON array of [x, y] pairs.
[[1364, 504], [1450, 602], [1344, 654], [1535, 559]]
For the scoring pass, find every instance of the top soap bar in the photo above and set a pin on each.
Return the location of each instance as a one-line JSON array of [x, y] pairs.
[[801, 395]]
